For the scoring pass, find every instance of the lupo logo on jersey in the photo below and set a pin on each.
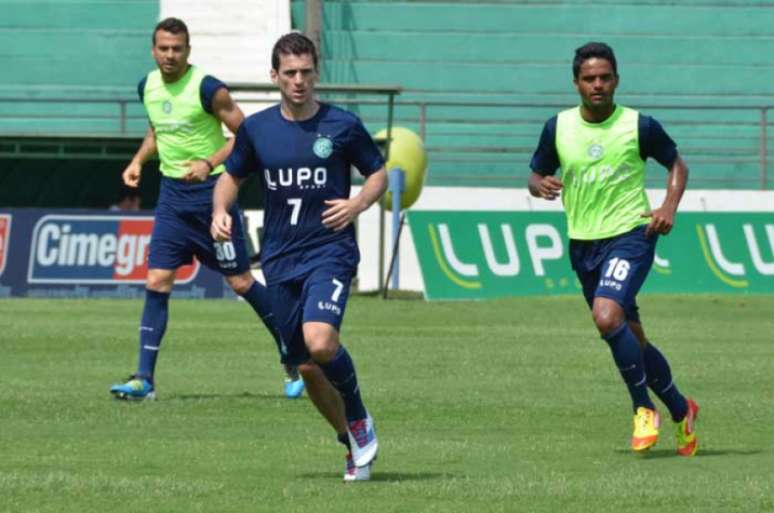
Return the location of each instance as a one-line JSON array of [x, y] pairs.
[[94, 249], [5, 234], [303, 178]]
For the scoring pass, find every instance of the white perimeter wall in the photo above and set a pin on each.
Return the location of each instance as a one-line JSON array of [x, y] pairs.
[[490, 199], [232, 39]]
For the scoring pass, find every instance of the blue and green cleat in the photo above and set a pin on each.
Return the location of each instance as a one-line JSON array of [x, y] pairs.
[[294, 383], [135, 389]]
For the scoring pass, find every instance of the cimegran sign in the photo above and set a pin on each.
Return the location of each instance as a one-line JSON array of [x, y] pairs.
[[474, 255]]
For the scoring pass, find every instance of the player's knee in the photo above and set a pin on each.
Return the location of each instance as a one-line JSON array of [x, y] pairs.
[[240, 283], [607, 318], [311, 372], [322, 341], [160, 280]]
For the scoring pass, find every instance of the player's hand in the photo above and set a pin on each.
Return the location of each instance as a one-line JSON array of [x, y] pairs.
[[220, 229], [661, 221], [131, 175], [340, 213], [549, 187], [198, 171]]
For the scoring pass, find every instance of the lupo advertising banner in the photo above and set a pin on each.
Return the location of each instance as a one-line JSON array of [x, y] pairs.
[[66, 253], [477, 255]]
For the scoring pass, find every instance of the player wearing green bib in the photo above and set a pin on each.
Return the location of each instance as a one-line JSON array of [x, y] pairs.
[[185, 133], [186, 108], [601, 149]]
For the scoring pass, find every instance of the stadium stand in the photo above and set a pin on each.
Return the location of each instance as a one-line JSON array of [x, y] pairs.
[[707, 59], [479, 79]]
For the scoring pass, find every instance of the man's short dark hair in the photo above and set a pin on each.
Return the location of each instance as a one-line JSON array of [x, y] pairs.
[[173, 26], [590, 51], [292, 44]]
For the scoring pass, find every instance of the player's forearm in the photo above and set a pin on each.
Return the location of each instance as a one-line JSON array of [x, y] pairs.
[[372, 190], [676, 182], [225, 193], [220, 156], [147, 148]]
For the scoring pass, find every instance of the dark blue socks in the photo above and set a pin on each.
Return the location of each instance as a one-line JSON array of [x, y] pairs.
[[660, 381], [258, 298], [340, 371], [628, 357], [152, 328]]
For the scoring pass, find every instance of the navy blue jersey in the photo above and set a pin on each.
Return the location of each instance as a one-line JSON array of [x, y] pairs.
[[301, 164], [654, 143]]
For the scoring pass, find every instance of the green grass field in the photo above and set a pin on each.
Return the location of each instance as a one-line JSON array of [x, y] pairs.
[[509, 405]]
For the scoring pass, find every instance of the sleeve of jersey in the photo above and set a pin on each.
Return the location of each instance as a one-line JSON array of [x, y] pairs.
[[242, 160], [207, 90], [655, 142], [362, 151], [141, 89], [545, 160]]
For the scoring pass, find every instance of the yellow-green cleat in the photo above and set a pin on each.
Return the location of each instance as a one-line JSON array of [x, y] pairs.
[[646, 424]]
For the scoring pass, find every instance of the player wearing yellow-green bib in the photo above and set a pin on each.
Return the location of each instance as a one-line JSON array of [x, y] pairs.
[[601, 149], [186, 108]]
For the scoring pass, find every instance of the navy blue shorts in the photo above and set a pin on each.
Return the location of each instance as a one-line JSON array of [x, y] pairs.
[[181, 230], [320, 296], [614, 268]]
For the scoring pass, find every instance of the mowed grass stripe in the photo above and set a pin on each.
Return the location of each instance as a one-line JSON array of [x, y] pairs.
[[510, 405]]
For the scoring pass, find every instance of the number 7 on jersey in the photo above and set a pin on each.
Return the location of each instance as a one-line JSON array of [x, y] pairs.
[[296, 204]]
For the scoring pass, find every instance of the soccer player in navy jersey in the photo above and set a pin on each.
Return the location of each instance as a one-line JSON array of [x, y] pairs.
[[186, 108], [303, 151], [601, 149]]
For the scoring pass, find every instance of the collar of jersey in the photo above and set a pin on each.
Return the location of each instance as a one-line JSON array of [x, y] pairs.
[[604, 124]]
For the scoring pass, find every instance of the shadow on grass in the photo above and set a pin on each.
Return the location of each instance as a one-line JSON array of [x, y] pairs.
[[409, 295], [702, 453], [243, 395], [384, 477]]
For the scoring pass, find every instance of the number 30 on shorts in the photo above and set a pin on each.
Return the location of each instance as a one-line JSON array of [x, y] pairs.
[[224, 251], [618, 269]]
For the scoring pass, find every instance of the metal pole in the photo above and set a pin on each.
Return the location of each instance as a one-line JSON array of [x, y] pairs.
[[313, 26], [763, 151], [394, 255], [397, 185]]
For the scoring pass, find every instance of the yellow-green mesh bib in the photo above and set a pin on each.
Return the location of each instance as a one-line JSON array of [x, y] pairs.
[[603, 174], [184, 130]]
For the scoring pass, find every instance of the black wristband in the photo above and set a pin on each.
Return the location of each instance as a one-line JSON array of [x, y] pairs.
[[209, 164]]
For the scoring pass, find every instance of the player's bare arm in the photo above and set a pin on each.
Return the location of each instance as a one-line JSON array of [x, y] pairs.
[[131, 174], [662, 219], [341, 212], [228, 112], [546, 187], [224, 195]]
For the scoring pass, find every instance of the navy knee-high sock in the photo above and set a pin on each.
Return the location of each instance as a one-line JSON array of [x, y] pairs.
[[661, 382], [152, 327], [258, 298], [340, 371], [628, 357]]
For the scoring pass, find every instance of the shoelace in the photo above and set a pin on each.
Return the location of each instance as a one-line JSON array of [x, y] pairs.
[[644, 419], [360, 432]]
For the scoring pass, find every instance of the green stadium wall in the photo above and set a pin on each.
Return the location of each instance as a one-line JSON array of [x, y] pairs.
[[692, 53]]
